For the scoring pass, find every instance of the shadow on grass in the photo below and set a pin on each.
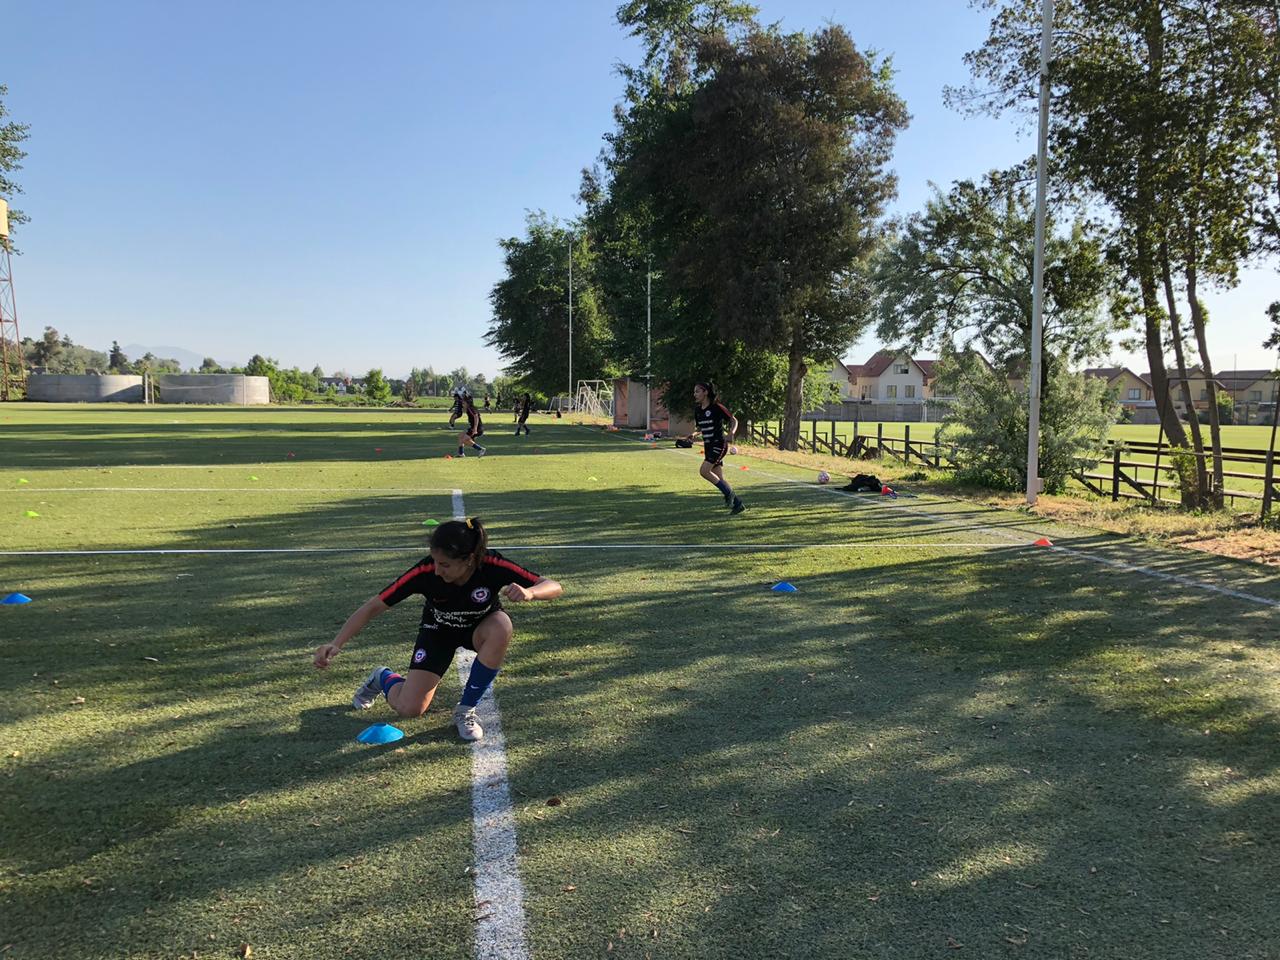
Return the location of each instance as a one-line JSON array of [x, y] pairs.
[[248, 437], [912, 748]]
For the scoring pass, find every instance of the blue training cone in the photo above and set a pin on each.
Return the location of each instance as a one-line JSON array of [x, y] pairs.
[[16, 598], [380, 733], [784, 587]]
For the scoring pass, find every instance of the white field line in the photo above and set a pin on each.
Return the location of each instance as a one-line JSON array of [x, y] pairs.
[[500, 924], [190, 466], [259, 489], [1019, 540], [847, 545]]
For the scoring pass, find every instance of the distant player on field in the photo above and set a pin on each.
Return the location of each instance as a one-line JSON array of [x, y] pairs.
[[522, 416], [456, 412], [475, 429], [463, 582], [711, 416]]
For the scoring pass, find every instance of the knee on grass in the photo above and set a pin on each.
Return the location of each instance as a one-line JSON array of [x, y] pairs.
[[416, 709]]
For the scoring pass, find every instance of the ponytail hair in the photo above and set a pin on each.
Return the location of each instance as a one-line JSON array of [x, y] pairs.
[[461, 539], [710, 387]]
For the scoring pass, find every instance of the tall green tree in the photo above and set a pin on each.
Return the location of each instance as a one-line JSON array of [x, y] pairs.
[[423, 381], [959, 274], [12, 135], [530, 325], [47, 348], [1108, 124], [766, 179], [1220, 164], [1157, 112], [117, 359], [988, 423], [376, 386]]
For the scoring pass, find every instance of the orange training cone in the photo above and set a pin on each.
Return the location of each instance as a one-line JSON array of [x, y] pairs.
[[1043, 542]]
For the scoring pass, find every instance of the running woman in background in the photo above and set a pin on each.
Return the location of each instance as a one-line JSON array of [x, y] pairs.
[[523, 415], [475, 429], [711, 417], [456, 412], [464, 583]]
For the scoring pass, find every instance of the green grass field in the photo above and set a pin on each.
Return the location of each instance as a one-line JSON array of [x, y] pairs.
[[947, 742]]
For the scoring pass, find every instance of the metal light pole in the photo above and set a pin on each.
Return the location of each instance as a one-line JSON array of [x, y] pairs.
[[1037, 282], [648, 348], [570, 321]]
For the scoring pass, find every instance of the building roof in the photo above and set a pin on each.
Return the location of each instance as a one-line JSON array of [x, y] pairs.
[[1239, 379], [1103, 373], [1110, 373], [880, 362]]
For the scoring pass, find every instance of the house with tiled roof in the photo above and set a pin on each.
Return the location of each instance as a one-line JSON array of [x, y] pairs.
[[1251, 386], [891, 377], [1129, 387]]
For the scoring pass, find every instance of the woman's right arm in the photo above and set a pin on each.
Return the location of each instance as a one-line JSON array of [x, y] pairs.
[[355, 623]]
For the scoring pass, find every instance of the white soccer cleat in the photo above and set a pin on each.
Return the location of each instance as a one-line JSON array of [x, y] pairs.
[[367, 693], [468, 724]]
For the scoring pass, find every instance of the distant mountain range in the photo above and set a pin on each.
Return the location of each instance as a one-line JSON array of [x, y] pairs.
[[136, 351]]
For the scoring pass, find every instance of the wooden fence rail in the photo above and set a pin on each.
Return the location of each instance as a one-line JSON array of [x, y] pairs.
[[861, 445], [1116, 475], [1119, 476]]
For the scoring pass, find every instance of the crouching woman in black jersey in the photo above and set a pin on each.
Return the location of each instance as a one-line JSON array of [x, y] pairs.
[[463, 582]]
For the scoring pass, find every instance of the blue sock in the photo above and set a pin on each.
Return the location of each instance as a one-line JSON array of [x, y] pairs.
[[461, 449], [477, 683], [724, 488], [389, 679]]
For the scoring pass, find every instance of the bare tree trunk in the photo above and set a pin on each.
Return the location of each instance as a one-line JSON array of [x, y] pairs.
[[1179, 353], [796, 370], [1198, 320], [1155, 358], [1153, 30]]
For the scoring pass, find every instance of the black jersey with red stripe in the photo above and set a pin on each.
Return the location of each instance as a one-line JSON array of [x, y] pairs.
[[453, 605], [711, 421]]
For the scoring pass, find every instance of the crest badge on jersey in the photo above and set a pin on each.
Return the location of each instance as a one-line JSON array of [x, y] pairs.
[[480, 595], [419, 656]]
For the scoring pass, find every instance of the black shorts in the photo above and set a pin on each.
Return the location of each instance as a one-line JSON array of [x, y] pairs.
[[714, 453], [436, 646], [478, 432]]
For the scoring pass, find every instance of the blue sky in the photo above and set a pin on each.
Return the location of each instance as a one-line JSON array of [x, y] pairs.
[[326, 183]]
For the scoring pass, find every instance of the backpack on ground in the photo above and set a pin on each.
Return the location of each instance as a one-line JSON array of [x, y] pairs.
[[864, 483]]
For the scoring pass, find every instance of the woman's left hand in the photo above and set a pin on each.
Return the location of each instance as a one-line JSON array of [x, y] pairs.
[[513, 591]]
